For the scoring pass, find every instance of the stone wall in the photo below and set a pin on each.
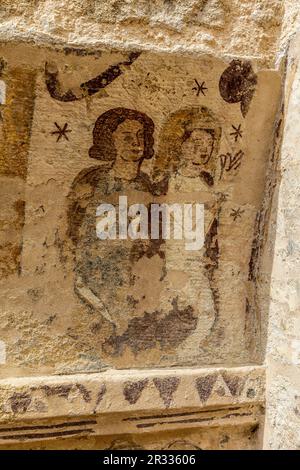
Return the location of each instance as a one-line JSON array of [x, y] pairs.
[[164, 102], [282, 426], [248, 28]]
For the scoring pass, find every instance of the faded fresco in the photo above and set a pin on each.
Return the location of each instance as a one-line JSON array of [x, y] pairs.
[[157, 129], [132, 336], [154, 296]]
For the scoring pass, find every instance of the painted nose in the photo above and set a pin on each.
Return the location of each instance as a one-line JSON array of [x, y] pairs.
[[137, 141]]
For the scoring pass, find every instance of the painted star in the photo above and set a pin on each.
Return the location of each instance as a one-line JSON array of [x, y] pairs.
[[61, 131], [199, 88], [236, 213], [237, 132]]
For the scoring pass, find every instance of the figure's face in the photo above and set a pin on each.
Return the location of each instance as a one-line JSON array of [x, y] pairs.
[[129, 140], [197, 148]]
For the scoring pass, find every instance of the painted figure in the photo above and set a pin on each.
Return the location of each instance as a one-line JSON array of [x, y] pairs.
[[188, 153], [104, 275]]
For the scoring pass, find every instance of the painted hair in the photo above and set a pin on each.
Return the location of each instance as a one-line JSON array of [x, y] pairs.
[[103, 145], [176, 130]]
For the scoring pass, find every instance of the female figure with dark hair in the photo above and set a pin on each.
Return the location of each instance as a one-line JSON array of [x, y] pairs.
[[123, 135], [107, 272], [122, 139]]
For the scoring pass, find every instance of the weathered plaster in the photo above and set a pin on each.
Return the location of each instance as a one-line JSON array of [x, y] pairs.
[[113, 362], [128, 403]]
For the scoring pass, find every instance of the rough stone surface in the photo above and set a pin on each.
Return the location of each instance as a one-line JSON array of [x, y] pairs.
[[248, 28], [283, 352]]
